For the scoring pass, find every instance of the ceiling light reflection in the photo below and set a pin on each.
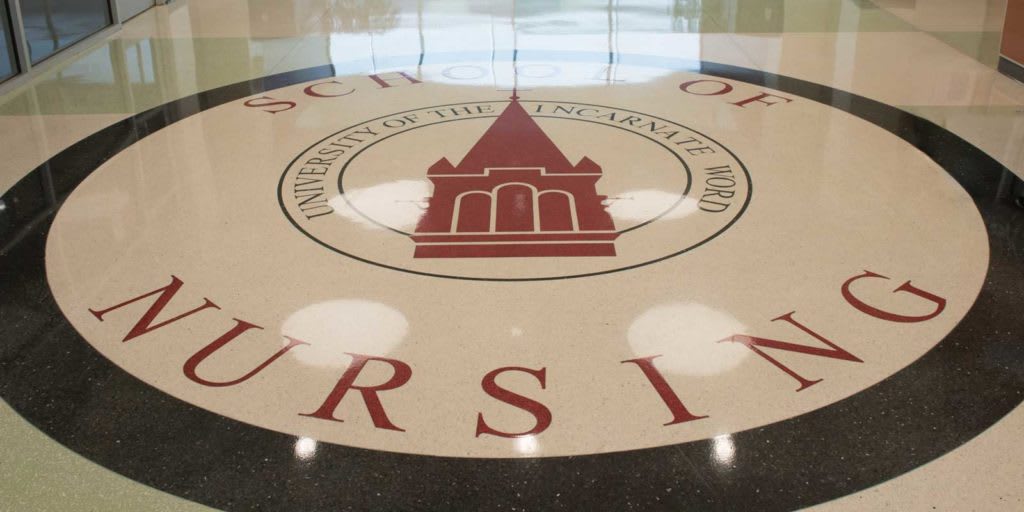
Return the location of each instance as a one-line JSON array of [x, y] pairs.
[[305, 448], [685, 334], [644, 205], [335, 327], [724, 450], [527, 445], [396, 204]]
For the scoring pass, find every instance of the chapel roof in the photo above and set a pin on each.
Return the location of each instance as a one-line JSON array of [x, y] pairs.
[[514, 140]]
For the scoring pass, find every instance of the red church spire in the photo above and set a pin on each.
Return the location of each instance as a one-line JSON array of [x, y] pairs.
[[514, 140]]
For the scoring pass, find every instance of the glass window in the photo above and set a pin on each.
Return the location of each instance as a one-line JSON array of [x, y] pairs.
[[8, 63], [52, 25]]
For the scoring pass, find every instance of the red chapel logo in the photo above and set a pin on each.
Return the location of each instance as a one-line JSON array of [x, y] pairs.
[[480, 190], [515, 195]]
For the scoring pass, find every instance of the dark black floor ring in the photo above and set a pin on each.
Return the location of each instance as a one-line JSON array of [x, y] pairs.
[[60, 384]]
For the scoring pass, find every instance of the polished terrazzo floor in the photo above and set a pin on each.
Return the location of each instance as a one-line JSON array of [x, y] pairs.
[[930, 58]]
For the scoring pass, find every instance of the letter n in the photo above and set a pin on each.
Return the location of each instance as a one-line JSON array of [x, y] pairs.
[[145, 324], [756, 344]]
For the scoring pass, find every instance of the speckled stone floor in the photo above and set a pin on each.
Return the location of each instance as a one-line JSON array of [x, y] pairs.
[[397, 255]]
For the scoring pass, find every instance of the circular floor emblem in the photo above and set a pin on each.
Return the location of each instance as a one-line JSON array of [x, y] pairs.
[[483, 180], [225, 305], [272, 260]]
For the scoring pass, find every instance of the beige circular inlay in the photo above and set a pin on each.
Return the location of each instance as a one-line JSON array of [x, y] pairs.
[[775, 286]]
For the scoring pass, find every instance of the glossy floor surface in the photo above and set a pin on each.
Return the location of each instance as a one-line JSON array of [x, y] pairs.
[[722, 164]]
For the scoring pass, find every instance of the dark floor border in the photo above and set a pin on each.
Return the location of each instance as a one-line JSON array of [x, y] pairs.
[[59, 383], [1011, 69]]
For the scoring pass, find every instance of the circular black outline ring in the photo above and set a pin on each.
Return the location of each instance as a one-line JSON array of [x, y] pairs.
[[682, 197], [59, 383], [689, 175]]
